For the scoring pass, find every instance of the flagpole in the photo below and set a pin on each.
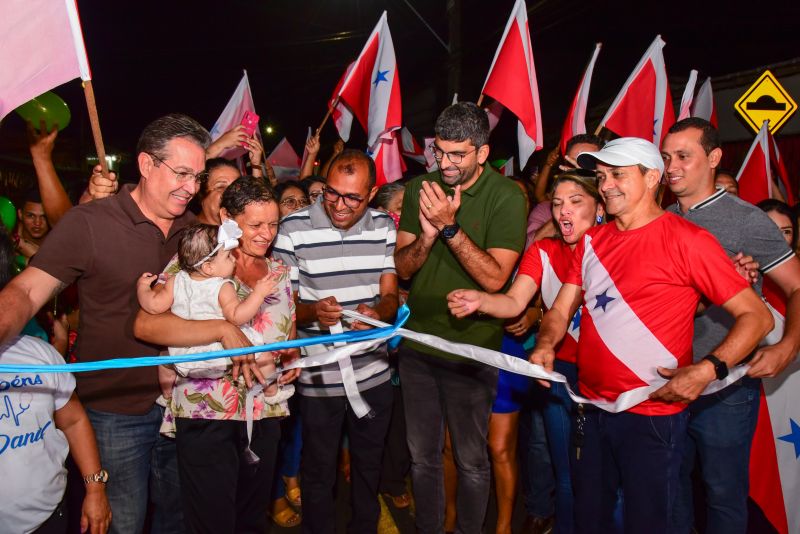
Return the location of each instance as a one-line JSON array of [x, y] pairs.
[[599, 129], [328, 114], [88, 91], [480, 100]]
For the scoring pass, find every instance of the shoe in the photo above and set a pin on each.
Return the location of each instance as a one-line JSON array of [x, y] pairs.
[[538, 525], [286, 518], [399, 501]]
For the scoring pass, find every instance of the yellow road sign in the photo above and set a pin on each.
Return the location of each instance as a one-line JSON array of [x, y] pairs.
[[766, 100]]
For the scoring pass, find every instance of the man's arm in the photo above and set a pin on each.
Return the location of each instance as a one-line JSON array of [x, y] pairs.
[[54, 198], [24, 295], [411, 251], [312, 150], [753, 321], [770, 361], [386, 308]]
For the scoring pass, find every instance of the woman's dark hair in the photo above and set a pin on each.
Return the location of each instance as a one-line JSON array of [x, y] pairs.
[[244, 191], [586, 179], [6, 257], [212, 164], [311, 180], [288, 184], [783, 208], [196, 242], [385, 194]]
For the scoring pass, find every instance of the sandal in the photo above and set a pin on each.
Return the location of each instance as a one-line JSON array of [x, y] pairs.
[[286, 518], [399, 501]]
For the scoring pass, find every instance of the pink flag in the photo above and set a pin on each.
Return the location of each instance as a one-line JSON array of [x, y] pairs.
[[755, 176], [704, 104], [576, 118], [512, 81], [372, 87], [688, 96], [241, 101], [430, 161], [284, 160], [493, 111], [388, 163], [411, 148], [42, 47], [643, 108]]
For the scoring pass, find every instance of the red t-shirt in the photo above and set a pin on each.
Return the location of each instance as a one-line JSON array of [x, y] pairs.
[[641, 289], [547, 262]]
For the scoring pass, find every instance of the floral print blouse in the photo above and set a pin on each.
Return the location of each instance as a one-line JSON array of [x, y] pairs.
[[223, 398]]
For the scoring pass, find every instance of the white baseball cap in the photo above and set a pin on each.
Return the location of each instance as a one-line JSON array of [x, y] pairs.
[[623, 152]]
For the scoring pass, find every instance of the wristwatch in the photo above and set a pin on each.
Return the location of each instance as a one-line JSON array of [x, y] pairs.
[[101, 477], [449, 231], [720, 368]]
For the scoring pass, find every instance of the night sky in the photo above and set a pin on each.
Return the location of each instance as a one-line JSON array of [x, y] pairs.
[[150, 58]]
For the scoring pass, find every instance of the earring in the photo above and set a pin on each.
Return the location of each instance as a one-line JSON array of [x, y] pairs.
[[599, 219]]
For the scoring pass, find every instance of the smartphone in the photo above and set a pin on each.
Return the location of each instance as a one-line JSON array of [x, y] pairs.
[[250, 122]]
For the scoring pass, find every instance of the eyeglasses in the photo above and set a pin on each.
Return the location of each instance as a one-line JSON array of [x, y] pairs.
[[455, 158], [183, 176], [332, 195], [294, 203]]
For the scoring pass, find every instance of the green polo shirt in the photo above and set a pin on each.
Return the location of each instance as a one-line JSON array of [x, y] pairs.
[[492, 214]]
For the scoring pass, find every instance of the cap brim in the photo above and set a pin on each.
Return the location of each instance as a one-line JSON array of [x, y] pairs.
[[588, 160]]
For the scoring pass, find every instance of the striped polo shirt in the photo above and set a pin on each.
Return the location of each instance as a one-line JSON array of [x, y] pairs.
[[347, 264]]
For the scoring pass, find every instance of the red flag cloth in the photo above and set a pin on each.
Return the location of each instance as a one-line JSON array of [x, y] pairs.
[[512, 81], [410, 147], [755, 176], [372, 87], [42, 47], [576, 118], [780, 170], [388, 163], [704, 104], [643, 107], [342, 115]]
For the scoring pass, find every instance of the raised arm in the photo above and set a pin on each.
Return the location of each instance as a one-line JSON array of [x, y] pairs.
[[312, 150], [54, 198]]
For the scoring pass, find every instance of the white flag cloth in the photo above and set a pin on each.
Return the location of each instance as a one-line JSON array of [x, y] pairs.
[[688, 96], [231, 117]]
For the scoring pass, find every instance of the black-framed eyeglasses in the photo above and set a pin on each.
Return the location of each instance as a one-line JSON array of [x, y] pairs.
[[294, 203], [183, 176], [332, 195], [454, 157]]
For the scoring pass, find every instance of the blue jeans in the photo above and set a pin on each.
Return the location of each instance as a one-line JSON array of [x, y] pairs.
[[558, 415], [141, 463], [438, 391], [721, 428], [639, 454]]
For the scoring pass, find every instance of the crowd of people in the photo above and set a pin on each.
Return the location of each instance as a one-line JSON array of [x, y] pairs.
[[578, 270]]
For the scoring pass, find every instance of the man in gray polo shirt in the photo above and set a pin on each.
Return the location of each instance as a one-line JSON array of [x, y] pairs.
[[721, 426], [341, 256]]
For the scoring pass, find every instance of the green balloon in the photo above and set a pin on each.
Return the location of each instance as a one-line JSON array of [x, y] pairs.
[[20, 262], [8, 214], [48, 107]]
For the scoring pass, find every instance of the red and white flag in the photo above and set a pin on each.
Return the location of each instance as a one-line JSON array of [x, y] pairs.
[[780, 171], [704, 104], [508, 167], [512, 81], [774, 476], [371, 88], [342, 115], [755, 176], [42, 47], [688, 96], [231, 117], [643, 108], [430, 161], [284, 160], [388, 163], [493, 111], [576, 118], [411, 148]]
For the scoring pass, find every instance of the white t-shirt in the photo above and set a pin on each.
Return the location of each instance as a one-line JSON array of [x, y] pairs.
[[32, 449]]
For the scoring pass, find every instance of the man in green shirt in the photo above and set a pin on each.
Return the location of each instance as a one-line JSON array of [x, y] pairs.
[[462, 227]]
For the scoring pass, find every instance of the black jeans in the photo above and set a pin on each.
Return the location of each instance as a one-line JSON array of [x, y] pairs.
[[323, 420], [220, 491], [396, 459], [434, 391]]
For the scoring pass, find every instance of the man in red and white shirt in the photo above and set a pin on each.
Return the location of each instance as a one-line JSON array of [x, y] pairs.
[[642, 277]]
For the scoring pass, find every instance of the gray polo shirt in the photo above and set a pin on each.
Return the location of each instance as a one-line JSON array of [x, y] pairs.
[[739, 227]]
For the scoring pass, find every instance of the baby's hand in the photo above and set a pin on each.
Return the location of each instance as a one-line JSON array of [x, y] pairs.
[[265, 286], [146, 280]]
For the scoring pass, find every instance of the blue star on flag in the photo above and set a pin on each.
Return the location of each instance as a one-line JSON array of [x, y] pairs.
[[603, 299], [793, 437], [654, 127], [576, 320], [380, 77]]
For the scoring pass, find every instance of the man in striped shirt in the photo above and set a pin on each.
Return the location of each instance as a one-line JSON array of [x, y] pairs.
[[341, 257]]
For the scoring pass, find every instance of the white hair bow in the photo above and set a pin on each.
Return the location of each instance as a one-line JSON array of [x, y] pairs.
[[227, 239]]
